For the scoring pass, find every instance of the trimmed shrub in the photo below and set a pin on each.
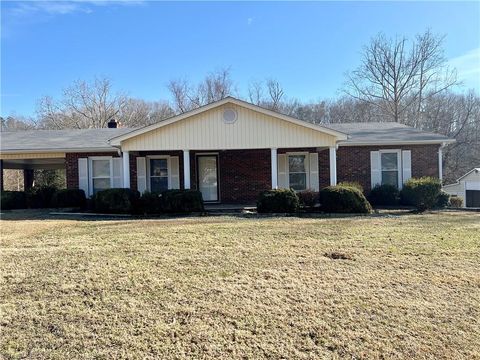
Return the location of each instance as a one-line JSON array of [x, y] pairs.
[[308, 198], [13, 200], [278, 201], [65, 198], [40, 197], [443, 200], [116, 201], [456, 202], [181, 201], [353, 184], [343, 199], [385, 194], [151, 203], [421, 193]]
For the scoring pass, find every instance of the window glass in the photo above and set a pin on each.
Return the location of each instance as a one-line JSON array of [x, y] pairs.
[[158, 175], [101, 168], [100, 175], [297, 172], [389, 169]]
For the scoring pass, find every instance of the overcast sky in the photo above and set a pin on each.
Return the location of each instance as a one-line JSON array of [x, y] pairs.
[[140, 46]]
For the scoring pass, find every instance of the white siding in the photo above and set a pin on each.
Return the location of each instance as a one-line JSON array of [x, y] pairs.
[[207, 131]]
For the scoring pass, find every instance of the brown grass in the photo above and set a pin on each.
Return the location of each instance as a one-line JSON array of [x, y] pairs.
[[241, 288]]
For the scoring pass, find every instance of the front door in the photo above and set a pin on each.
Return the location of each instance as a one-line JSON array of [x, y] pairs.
[[207, 166]]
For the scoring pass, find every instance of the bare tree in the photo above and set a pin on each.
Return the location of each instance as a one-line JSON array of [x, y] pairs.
[[276, 93], [17, 123], [396, 74], [216, 86], [84, 105]]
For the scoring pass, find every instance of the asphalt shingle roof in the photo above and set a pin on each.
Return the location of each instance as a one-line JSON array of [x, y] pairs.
[[371, 132], [84, 139], [80, 139]]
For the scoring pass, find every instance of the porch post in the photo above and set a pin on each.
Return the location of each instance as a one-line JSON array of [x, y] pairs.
[[440, 163], [333, 165], [274, 168], [27, 179], [186, 169], [126, 169]]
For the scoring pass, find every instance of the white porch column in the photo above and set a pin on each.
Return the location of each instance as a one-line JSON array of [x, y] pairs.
[[274, 168], [333, 165], [186, 169], [126, 169], [440, 165]]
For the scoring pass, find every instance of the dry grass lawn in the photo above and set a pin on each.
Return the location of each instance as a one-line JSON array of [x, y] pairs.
[[225, 287]]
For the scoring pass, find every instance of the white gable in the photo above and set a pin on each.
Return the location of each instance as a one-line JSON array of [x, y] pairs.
[[218, 128]]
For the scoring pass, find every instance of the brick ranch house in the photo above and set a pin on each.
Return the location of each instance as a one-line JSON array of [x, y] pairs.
[[230, 150]]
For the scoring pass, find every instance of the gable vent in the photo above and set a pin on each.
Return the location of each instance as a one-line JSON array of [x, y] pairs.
[[229, 116]]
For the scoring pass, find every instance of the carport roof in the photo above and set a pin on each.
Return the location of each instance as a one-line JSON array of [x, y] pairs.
[[72, 140]]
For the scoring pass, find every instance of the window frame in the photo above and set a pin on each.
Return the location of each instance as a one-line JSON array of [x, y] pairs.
[[91, 159], [307, 168], [149, 174], [398, 152]]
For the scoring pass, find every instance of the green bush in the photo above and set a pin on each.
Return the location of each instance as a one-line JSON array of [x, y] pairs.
[[65, 198], [456, 202], [278, 201], [308, 198], [422, 193], [343, 199], [385, 194], [181, 201], [116, 201], [13, 200], [353, 184], [151, 203], [443, 200], [40, 197]]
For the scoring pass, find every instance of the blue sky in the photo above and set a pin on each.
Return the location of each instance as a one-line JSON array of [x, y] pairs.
[[140, 46]]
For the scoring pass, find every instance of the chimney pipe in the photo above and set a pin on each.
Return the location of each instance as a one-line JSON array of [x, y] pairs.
[[112, 124]]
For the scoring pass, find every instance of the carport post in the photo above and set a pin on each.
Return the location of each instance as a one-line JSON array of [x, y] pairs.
[[1, 175], [27, 179]]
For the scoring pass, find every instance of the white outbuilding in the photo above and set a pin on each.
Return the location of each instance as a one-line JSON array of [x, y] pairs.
[[467, 188]]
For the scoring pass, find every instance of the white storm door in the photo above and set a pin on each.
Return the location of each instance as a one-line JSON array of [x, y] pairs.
[[208, 177]]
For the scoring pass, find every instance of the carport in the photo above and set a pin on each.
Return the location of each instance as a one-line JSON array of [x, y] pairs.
[[28, 162]]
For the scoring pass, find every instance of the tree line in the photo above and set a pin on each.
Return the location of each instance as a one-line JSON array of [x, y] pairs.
[[399, 79]]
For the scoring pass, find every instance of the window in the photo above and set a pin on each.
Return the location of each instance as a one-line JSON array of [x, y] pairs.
[[390, 168], [158, 175], [297, 172], [101, 174]]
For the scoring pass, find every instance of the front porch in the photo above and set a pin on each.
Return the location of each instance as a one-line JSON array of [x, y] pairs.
[[230, 176]]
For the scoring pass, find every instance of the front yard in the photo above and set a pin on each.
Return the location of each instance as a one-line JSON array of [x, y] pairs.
[[225, 287]]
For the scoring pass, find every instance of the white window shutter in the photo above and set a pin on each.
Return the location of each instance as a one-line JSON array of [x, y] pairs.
[[406, 165], [141, 175], [314, 181], [83, 175], [282, 171], [375, 168], [117, 172], [173, 169]]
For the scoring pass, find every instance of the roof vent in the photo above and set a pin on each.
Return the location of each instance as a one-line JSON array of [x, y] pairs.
[[229, 116], [112, 124]]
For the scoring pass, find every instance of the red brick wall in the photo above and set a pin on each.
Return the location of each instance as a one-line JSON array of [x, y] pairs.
[[71, 166], [353, 162], [245, 173]]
